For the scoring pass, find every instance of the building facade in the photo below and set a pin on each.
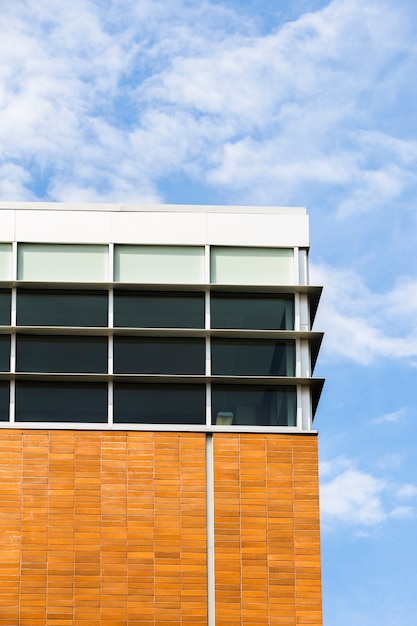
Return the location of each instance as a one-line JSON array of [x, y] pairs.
[[159, 460]]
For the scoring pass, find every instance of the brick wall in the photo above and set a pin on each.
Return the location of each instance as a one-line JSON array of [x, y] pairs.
[[109, 528], [267, 537]]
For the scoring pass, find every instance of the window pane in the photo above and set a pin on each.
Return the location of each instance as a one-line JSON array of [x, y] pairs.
[[4, 353], [5, 261], [5, 301], [257, 311], [252, 266], [62, 262], [4, 400], [71, 354], [149, 355], [48, 307], [251, 357], [159, 404], [253, 406], [61, 402], [158, 310], [159, 264]]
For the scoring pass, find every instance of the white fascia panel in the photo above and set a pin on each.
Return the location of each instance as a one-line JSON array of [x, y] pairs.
[[159, 228], [63, 226], [258, 229], [6, 225]]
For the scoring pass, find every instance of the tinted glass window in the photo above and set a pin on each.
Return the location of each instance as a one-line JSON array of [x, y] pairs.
[[61, 308], [5, 300], [159, 404], [39, 353], [158, 310], [252, 357], [151, 355], [4, 353], [257, 311], [4, 400], [61, 402], [253, 406]]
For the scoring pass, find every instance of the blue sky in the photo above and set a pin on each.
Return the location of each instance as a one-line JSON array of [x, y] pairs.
[[304, 103]]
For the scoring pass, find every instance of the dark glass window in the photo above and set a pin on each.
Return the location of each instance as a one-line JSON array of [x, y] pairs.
[[5, 302], [159, 404], [69, 354], [253, 406], [149, 355], [143, 309], [4, 353], [47, 307], [4, 400], [250, 357], [61, 402], [252, 310]]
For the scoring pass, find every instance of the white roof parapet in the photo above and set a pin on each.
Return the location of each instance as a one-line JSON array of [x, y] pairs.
[[157, 224]]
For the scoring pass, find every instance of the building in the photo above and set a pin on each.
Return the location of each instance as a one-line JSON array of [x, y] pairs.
[[158, 457]]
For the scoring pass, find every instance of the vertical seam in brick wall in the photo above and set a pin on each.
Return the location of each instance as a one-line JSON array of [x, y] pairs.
[[153, 517], [239, 439], [210, 531], [267, 509], [19, 592], [293, 526]]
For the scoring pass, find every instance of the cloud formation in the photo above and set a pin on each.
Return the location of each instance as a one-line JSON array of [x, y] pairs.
[[100, 101], [353, 497], [362, 325]]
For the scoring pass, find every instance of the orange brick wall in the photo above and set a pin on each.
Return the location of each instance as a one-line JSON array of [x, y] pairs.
[[102, 528], [109, 528], [267, 537]]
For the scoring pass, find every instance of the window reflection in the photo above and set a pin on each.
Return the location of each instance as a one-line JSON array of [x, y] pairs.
[[142, 309], [239, 357], [4, 400], [253, 405], [61, 402], [4, 353], [149, 355], [159, 404], [252, 311], [48, 307], [68, 354], [5, 302]]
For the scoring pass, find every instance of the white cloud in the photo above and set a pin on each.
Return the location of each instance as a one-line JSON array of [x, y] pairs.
[[353, 497], [362, 325], [392, 417], [103, 100]]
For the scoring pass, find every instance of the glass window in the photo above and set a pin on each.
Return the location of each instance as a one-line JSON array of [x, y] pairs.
[[4, 353], [49, 307], [5, 302], [4, 400], [5, 261], [159, 404], [253, 406], [143, 309], [70, 354], [251, 357], [154, 355], [252, 266], [61, 402], [258, 311], [159, 264], [62, 262]]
